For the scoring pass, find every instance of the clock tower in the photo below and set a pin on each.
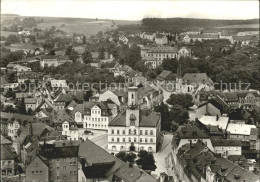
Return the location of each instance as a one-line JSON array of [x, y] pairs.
[[132, 109]]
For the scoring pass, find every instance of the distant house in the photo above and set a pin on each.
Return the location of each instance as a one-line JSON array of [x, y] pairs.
[[148, 35], [47, 61], [199, 37], [213, 107], [245, 40], [227, 35], [196, 81], [119, 97], [123, 39], [30, 104], [161, 39], [211, 32], [166, 77], [59, 84], [151, 61]]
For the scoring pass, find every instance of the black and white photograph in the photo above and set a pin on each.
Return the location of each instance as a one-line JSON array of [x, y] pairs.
[[130, 91]]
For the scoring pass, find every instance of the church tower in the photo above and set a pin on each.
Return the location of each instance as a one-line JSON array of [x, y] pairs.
[[132, 109]]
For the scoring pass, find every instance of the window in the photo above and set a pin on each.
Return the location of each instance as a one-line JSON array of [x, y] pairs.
[[36, 172], [117, 139], [141, 140], [112, 131], [151, 140], [123, 132], [40, 172], [146, 140], [71, 172], [64, 167], [36, 164], [129, 139], [151, 132], [75, 172], [141, 132], [65, 177], [32, 172], [112, 139], [117, 132], [146, 132], [58, 168], [123, 139], [134, 139]]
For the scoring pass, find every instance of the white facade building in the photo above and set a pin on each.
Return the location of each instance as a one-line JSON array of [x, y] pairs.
[[133, 129]]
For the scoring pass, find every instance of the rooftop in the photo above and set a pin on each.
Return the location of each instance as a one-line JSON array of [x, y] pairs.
[[239, 129]]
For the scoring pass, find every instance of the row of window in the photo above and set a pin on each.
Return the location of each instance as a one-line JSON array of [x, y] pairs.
[[97, 126], [37, 172], [145, 140], [64, 159], [132, 131], [96, 119], [162, 55], [122, 148]]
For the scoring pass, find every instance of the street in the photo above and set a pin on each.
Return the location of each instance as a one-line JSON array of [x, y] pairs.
[[161, 156]]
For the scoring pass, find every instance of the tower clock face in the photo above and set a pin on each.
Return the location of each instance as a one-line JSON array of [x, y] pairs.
[[132, 119]]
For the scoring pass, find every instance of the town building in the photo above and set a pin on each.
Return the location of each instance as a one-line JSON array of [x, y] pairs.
[[30, 104], [96, 164], [62, 158], [8, 162], [133, 129], [38, 169], [239, 131], [199, 37], [161, 39], [97, 115], [227, 147], [194, 82], [48, 61]]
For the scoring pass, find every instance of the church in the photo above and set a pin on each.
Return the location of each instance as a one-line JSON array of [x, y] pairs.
[[134, 129]]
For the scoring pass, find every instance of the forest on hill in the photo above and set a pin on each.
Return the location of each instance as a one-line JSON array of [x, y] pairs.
[[183, 24]]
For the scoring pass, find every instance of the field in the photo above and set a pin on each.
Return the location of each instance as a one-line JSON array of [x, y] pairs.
[[82, 25], [6, 33], [87, 28], [240, 26]]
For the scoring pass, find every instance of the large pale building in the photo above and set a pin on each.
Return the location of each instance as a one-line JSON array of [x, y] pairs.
[[134, 129]]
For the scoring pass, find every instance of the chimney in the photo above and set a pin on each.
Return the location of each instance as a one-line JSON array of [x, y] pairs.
[[130, 164], [217, 118], [190, 143], [30, 129], [162, 177]]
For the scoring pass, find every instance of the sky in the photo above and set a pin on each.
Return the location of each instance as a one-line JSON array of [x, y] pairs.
[[134, 9]]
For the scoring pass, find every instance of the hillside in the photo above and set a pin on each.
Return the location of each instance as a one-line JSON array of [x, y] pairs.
[[182, 24]]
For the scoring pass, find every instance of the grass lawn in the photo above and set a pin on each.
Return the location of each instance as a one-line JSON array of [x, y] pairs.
[[7, 33]]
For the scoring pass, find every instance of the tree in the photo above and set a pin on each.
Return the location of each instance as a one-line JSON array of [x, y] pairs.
[[101, 53], [74, 55], [130, 157], [146, 160], [84, 40], [126, 157], [87, 56], [52, 52], [21, 107], [121, 155], [165, 116], [179, 114], [184, 100], [13, 39]]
